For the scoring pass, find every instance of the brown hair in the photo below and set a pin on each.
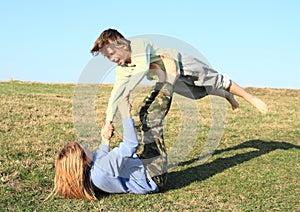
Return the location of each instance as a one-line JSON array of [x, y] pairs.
[[72, 179], [108, 37]]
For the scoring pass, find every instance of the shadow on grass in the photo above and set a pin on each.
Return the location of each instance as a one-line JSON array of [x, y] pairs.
[[179, 179]]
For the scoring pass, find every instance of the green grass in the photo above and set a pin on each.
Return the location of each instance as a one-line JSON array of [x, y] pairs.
[[254, 168]]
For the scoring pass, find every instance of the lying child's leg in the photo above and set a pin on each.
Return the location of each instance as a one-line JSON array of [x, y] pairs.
[[152, 112]]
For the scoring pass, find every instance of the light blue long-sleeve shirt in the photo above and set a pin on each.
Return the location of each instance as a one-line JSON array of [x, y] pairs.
[[120, 170]]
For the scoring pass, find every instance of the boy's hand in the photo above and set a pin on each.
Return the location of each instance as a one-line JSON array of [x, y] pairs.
[[125, 107]]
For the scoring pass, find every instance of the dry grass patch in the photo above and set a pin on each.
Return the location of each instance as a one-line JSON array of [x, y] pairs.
[[255, 166]]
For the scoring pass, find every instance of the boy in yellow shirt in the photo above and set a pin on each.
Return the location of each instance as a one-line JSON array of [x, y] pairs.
[[193, 78]]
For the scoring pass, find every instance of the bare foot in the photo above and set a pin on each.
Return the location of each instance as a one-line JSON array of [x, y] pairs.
[[156, 70], [234, 104], [260, 105]]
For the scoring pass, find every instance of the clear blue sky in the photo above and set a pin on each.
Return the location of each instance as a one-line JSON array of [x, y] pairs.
[[257, 42]]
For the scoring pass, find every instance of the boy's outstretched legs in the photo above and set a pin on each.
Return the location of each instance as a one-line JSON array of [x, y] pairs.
[[253, 100]]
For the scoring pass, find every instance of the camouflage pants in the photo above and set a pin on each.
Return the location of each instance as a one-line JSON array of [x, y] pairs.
[[151, 113]]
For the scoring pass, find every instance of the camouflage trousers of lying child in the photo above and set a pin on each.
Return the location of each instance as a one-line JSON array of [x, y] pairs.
[[153, 151]]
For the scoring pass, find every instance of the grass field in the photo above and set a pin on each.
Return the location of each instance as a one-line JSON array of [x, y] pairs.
[[254, 168]]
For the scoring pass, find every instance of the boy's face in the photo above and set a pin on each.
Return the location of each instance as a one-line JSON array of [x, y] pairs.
[[117, 55]]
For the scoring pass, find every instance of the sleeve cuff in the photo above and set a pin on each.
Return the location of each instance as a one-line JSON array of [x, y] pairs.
[[104, 148]]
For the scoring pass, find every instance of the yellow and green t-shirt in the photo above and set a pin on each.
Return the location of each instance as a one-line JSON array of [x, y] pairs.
[[128, 76]]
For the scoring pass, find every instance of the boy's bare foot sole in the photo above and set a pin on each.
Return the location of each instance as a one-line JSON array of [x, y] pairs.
[[260, 105]]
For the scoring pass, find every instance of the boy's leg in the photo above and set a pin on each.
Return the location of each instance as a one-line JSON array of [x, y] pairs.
[[228, 96], [212, 81], [256, 102], [152, 112]]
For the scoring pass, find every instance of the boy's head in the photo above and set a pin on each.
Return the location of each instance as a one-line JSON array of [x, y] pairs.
[[109, 42], [72, 178]]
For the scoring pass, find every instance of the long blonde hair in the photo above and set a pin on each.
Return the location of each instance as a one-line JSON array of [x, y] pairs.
[[71, 174]]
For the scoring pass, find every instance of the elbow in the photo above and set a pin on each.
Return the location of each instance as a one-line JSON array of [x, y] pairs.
[[128, 149]]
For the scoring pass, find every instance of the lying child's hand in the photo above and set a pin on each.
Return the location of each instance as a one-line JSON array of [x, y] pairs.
[[106, 135], [107, 130]]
